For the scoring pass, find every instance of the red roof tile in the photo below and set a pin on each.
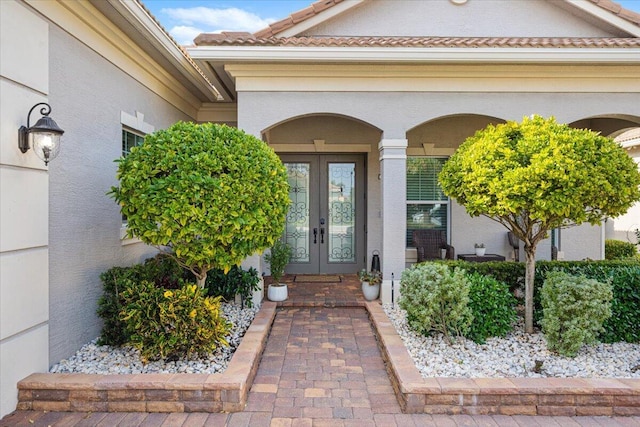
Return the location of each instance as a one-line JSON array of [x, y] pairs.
[[225, 39], [322, 5]]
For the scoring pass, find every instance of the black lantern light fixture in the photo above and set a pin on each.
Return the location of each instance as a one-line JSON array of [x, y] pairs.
[[43, 137]]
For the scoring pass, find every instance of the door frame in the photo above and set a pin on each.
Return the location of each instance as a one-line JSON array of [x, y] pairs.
[[318, 208]]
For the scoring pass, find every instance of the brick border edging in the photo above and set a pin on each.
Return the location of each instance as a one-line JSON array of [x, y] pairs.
[[225, 392], [498, 396]]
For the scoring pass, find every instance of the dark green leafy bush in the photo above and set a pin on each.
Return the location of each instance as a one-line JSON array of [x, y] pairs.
[[236, 282], [511, 273], [493, 308], [617, 249], [436, 299], [161, 270], [574, 310], [169, 324]]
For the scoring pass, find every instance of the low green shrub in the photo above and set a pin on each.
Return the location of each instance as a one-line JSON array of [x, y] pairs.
[[618, 249], [436, 299], [235, 282], [169, 324], [575, 308], [493, 308], [624, 276]]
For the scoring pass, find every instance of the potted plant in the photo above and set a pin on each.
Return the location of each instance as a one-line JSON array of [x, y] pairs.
[[480, 249], [278, 258], [370, 281]]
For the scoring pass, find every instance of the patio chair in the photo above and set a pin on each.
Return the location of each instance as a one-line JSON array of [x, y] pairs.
[[515, 245], [429, 245]]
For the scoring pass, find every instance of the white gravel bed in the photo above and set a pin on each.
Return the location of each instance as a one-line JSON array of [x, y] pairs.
[[95, 359], [512, 356]]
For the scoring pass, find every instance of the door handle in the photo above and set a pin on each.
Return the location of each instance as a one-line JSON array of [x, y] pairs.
[[321, 234], [315, 236]]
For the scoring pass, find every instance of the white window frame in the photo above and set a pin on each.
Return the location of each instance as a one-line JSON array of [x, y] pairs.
[[133, 124]]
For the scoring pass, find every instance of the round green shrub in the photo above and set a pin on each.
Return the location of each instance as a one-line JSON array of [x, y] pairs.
[[493, 308], [575, 309], [170, 324], [209, 195], [436, 299]]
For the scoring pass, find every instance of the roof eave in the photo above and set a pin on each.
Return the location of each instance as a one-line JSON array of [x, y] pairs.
[[149, 28], [413, 54], [611, 18]]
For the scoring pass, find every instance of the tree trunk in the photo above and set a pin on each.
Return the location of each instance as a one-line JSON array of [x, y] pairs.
[[528, 288], [202, 278]]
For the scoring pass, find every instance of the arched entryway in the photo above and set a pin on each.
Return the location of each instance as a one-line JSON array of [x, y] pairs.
[[326, 159]]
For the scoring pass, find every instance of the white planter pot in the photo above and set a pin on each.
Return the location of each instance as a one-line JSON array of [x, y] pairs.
[[370, 292], [277, 292], [480, 251]]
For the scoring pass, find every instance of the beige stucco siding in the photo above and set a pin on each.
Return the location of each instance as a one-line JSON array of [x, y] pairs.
[[89, 94]]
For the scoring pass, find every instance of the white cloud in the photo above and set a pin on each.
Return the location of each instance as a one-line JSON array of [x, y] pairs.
[[214, 20], [184, 34]]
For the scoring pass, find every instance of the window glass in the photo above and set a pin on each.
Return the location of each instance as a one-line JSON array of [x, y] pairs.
[[427, 205]]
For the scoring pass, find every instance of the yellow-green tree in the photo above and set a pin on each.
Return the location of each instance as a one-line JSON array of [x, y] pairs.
[[538, 175], [208, 195]]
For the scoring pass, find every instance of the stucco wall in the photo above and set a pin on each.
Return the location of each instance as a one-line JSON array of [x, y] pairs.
[[88, 94], [474, 18], [24, 212]]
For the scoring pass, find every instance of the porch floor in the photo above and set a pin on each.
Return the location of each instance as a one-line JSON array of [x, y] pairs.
[[346, 293]]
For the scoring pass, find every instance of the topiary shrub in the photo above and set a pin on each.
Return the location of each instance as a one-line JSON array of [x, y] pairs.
[[235, 282], [209, 195], [493, 308], [436, 299], [618, 249], [170, 324], [574, 310]]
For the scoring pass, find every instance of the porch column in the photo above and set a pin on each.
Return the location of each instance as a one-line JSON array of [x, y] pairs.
[[393, 171]]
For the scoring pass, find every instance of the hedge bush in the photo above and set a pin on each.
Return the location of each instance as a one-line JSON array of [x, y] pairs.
[[574, 310], [624, 276], [170, 324], [493, 308], [436, 299], [618, 249]]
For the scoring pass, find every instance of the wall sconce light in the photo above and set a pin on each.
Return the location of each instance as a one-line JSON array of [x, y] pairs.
[[44, 135]]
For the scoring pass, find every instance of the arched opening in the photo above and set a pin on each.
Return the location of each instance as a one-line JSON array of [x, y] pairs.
[[441, 136], [335, 132], [326, 157]]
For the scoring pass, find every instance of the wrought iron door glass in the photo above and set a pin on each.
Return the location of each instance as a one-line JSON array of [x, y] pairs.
[[297, 224], [341, 221]]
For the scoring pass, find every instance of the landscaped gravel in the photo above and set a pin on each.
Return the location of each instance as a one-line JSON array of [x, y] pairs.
[[513, 356], [95, 359]]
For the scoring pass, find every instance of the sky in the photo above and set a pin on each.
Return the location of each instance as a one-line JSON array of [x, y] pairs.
[[185, 19]]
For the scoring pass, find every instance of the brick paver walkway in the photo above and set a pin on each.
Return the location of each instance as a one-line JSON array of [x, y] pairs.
[[321, 367]]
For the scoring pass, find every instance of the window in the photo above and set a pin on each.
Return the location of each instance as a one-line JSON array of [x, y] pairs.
[[130, 140], [427, 205], [134, 128]]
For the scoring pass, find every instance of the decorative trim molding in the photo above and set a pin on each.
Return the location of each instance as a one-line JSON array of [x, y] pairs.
[[437, 78], [136, 122]]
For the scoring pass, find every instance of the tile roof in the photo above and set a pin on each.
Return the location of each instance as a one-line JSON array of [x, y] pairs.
[[247, 39], [320, 6]]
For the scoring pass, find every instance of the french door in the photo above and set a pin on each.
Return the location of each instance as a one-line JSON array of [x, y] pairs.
[[326, 220]]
